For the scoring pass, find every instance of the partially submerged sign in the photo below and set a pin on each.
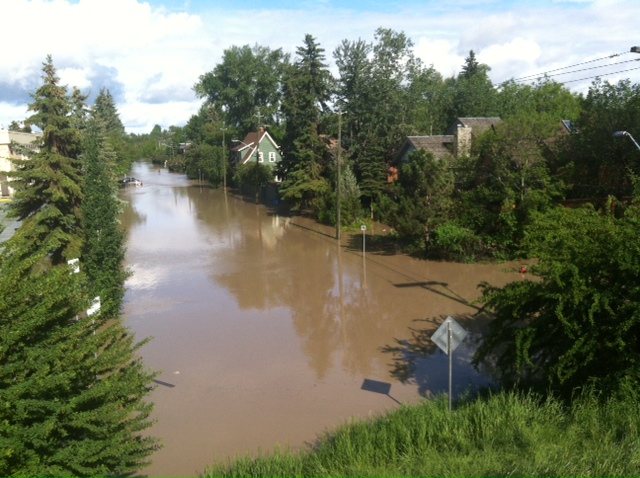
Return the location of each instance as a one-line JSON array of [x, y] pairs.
[[448, 336], [441, 336]]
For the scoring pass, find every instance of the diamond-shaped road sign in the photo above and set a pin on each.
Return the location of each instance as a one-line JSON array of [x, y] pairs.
[[441, 336]]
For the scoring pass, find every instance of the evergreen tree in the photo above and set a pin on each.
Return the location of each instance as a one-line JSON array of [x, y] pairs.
[[307, 89], [374, 95], [79, 109], [474, 92], [71, 387], [105, 110], [424, 192], [48, 187], [103, 252]]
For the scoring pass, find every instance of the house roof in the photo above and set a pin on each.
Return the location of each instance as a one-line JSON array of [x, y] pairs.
[[6, 137], [439, 145], [478, 124], [247, 146], [249, 141]]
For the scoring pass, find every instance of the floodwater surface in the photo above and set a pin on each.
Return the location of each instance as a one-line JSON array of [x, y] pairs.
[[266, 332]]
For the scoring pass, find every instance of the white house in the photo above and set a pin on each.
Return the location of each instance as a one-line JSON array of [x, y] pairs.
[[8, 140]]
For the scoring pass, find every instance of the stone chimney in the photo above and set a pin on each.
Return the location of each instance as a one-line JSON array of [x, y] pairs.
[[462, 140]]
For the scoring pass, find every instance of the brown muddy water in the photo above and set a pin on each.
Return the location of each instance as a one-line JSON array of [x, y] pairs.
[[267, 332]]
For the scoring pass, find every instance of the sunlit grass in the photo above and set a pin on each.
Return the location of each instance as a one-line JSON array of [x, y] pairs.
[[507, 434]]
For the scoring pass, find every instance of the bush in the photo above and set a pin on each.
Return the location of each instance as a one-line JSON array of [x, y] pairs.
[[457, 242]]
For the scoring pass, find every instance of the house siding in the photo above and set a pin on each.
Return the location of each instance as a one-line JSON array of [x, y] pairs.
[[7, 153]]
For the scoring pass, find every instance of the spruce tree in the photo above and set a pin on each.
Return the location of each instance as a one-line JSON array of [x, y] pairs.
[[307, 87], [48, 186], [104, 108], [103, 252], [71, 387]]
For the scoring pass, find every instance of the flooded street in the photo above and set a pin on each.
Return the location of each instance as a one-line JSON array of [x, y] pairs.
[[266, 332]]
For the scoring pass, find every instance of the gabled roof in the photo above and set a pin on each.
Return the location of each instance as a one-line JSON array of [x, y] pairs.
[[439, 145], [247, 146], [478, 124]]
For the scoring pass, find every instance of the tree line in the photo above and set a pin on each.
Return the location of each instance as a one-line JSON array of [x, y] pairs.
[[468, 207], [550, 184], [73, 391]]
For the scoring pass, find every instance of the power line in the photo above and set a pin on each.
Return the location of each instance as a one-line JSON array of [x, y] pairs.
[[577, 71], [547, 73], [538, 75], [598, 76]]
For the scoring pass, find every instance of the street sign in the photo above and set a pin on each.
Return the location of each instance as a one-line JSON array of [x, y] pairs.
[[441, 336], [363, 228], [448, 336]]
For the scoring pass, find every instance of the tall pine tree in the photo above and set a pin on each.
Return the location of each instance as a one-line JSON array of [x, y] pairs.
[[71, 387], [49, 185], [307, 89]]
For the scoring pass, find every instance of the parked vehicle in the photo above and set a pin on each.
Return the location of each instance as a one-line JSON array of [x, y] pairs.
[[131, 182]]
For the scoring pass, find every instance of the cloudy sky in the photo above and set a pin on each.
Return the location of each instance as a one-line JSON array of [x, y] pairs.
[[149, 54]]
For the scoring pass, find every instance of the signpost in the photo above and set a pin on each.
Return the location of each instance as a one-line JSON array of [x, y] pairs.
[[448, 336], [363, 228]]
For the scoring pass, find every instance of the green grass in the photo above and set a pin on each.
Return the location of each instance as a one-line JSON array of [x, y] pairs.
[[506, 434]]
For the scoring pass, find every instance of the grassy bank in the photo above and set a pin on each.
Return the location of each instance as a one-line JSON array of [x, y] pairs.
[[507, 434]]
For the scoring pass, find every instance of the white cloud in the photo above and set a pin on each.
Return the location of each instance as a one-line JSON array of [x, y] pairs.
[[150, 57]]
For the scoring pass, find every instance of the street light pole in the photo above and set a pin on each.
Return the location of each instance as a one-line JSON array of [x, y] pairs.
[[224, 159], [621, 134]]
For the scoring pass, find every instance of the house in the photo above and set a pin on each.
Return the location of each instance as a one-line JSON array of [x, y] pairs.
[[455, 142], [268, 152], [12, 145]]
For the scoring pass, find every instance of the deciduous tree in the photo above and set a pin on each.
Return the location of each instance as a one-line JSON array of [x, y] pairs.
[[577, 322]]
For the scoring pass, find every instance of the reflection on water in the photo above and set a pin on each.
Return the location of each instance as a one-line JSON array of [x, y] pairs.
[[267, 328]]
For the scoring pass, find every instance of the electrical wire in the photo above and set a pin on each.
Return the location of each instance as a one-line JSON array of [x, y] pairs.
[[599, 76], [576, 71], [538, 75], [547, 73]]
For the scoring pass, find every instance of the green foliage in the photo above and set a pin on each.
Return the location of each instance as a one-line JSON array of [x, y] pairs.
[[603, 162], [72, 388], [207, 161], [71, 400], [246, 83], [424, 191], [577, 322], [255, 175], [103, 251], [19, 126], [373, 94], [350, 206], [306, 156], [505, 434], [507, 179], [48, 186], [474, 93], [104, 109], [457, 242]]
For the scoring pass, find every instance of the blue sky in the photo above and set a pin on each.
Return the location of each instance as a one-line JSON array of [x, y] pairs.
[[149, 54]]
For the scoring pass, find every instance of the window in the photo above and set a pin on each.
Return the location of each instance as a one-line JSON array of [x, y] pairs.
[[272, 157], [261, 157]]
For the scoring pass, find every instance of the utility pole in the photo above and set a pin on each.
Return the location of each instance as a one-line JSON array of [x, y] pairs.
[[224, 159], [257, 157], [339, 185]]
